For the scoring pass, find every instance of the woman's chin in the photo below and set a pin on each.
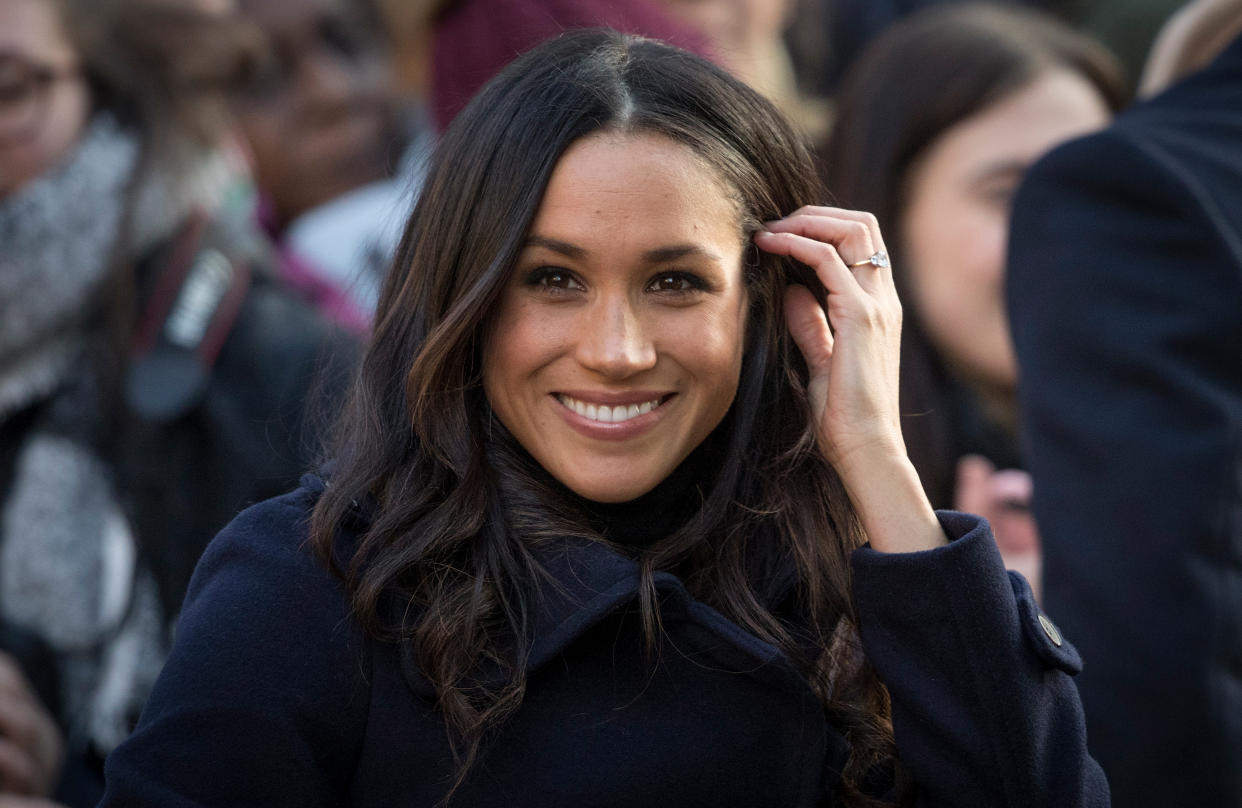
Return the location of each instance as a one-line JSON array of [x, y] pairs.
[[611, 488]]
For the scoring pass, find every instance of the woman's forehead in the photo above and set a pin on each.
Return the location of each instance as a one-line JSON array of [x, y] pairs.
[[613, 187], [32, 29]]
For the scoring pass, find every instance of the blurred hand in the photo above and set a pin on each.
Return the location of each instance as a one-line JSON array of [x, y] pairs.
[[13, 801], [1004, 499], [31, 746]]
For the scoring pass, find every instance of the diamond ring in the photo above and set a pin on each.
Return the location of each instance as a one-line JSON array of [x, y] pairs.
[[878, 260]]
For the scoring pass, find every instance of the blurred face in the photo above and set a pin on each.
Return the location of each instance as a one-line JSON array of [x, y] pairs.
[[957, 219], [618, 343], [739, 30], [321, 119], [44, 103]]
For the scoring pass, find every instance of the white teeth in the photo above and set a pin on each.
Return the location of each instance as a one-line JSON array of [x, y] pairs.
[[608, 415]]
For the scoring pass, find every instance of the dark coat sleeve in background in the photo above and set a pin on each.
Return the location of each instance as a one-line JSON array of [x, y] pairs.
[[1125, 293]]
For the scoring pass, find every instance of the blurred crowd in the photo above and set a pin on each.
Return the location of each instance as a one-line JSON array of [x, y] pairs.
[[199, 200]]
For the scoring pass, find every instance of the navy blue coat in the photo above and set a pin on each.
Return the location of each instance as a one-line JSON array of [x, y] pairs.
[[273, 697], [1125, 292]]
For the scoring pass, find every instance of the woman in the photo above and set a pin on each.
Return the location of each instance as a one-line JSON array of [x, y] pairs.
[[151, 376], [937, 123], [598, 499]]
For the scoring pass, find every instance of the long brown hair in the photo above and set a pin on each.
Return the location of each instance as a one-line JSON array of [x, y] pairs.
[[917, 80], [445, 566]]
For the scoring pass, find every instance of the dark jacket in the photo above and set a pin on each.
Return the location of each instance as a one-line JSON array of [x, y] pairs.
[[273, 696], [246, 434], [242, 435], [1125, 291]]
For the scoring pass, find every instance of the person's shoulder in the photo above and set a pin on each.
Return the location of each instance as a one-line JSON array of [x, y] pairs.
[[277, 332], [267, 548], [283, 365], [1100, 154], [1193, 121]]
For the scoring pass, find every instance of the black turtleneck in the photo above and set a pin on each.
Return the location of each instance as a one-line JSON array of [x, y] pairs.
[[642, 522]]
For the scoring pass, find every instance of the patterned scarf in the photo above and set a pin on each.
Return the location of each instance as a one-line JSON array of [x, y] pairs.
[[70, 571]]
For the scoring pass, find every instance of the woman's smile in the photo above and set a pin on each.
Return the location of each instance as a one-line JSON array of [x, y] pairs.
[[613, 417]]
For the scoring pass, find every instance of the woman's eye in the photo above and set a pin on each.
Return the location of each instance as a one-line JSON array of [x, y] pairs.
[[675, 282], [550, 278], [341, 38]]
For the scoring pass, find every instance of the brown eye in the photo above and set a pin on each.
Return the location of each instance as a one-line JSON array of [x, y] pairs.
[[675, 283], [560, 280], [553, 279]]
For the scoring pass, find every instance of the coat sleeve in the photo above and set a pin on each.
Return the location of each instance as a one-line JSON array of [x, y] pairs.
[[263, 699], [1125, 293], [985, 712]]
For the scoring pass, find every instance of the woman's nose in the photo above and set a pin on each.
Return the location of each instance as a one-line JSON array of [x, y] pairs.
[[613, 341]]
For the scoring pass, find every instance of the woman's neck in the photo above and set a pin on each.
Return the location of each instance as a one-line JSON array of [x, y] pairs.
[[657, 514]]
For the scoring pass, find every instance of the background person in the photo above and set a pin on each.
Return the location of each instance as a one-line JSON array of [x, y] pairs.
[[335, 149], [152, 378], [1125, 291], [596, 510], [937, 123]]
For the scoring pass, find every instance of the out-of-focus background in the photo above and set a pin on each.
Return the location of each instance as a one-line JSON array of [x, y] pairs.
[[200, 199]]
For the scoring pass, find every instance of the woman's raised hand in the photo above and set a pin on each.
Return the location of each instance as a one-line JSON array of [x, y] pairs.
[[854, 368]]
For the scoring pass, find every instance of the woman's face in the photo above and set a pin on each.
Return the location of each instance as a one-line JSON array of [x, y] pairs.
[[956, 220], [323, 121], [618, 342], [44, 102]]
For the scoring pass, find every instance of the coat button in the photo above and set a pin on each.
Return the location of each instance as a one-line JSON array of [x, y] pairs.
[[1051, 630]]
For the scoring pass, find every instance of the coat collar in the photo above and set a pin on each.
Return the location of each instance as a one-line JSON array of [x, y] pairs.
[[586, 581]]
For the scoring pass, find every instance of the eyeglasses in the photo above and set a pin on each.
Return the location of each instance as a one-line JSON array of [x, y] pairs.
[[24, 91]]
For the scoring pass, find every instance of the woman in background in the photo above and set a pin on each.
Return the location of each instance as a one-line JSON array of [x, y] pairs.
[[936, 124]]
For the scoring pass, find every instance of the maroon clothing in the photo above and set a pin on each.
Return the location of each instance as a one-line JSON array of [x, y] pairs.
[[475, 39]]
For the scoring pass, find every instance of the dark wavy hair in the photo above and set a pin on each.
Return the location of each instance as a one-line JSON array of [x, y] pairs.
[[917, 80], [445, 566]]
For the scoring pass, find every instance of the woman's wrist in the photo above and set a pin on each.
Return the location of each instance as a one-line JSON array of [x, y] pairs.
[[891, 504]]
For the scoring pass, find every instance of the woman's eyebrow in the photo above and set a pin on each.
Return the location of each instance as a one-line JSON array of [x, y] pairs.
[[556, 245], [658, 255], [662, 255]]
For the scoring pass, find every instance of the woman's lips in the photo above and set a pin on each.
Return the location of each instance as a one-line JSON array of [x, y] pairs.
[[613, 417]]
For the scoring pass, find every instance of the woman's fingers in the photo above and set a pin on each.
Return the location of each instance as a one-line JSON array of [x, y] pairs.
[[972, 491], [809, 327], [855, 238], [818, 255], [861, 216]]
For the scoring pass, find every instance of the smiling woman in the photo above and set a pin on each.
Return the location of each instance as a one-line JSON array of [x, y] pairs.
[[617, 344], [593, 531]]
